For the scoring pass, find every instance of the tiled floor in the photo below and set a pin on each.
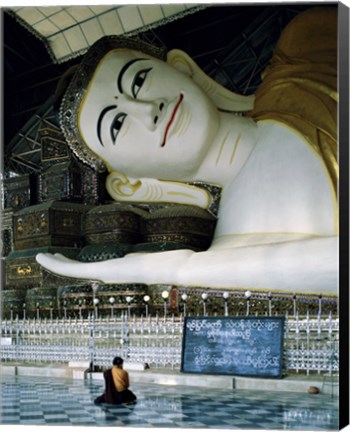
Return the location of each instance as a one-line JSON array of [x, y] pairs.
[[46, 401]]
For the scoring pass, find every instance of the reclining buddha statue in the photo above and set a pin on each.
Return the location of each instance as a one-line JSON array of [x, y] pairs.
[[159, 124]]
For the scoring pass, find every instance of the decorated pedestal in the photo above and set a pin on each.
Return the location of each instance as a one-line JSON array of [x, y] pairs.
[[19, 192], [115, 222], [121, 297], [113, 230], [54, 148], [63, 177], [234, 301], [71, 181], [7, 231], [60, 182], [110, 231], [23, 274], [185, 226], [53, 223], [22, 270], [73, 299], [102, 300], [41, 302], [13, 302]]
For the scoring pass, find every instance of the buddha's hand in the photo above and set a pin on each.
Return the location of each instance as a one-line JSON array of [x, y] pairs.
[[158, 267], [63, 266], [307, 265]]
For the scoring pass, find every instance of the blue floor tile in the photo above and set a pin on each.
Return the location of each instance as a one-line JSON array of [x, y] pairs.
[[49, 401]]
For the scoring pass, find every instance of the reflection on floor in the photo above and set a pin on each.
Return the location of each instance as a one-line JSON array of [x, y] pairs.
[[47, 401]]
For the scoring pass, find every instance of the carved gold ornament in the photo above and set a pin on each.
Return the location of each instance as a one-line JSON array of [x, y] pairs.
[[24, 270]]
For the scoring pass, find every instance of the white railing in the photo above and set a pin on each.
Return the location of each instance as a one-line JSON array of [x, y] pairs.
[[310, 344]]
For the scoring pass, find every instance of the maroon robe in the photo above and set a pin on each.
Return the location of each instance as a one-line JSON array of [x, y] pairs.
[[111, 395]]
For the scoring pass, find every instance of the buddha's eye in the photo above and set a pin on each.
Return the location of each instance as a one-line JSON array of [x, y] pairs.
[[138, 81], [117, 125]]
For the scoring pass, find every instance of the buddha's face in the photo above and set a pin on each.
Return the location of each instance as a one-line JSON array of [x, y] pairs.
[[145, 118]]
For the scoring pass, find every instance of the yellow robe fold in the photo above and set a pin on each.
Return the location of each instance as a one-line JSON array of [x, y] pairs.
[[299, 87]]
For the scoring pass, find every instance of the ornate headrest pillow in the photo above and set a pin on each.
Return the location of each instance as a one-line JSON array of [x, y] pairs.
[[69, 109]]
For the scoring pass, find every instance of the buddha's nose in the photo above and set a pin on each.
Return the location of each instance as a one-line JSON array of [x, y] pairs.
[[148, 113]]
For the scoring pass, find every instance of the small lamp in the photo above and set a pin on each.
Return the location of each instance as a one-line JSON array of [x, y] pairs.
[[204, 298], [111, 302], [247, 295], [184, 299], [128, 300], [146, 299], [96, 302], [269, 296], [165, 296], [225, 296]]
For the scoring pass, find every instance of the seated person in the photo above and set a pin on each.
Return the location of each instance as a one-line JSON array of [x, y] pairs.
[[116, 385], [160, 127]]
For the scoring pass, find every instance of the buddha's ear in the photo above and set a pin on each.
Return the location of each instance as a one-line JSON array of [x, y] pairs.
[[181, 61], [146, 190], [120, 187], [223, 98]]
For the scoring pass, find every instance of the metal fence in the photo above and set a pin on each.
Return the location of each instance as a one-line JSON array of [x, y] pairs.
[[310, 343]]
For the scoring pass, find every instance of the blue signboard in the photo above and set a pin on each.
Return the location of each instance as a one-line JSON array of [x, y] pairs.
[[244, 346]]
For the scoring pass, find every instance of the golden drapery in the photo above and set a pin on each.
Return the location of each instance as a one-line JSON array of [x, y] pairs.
[[299, 87]]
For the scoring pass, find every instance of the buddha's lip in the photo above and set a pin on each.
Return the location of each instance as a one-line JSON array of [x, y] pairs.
[[172, 119]]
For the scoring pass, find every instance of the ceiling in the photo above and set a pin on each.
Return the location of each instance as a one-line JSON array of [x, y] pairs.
[[232, 43], [68, 31]]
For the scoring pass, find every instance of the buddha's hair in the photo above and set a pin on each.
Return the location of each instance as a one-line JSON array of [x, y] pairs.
[[77, 80]]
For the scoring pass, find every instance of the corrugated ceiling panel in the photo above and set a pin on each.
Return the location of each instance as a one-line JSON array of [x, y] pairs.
[[69, 31]]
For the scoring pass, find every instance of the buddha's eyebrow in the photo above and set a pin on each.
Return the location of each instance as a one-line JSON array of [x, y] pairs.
[[100, 118], [123, 70]]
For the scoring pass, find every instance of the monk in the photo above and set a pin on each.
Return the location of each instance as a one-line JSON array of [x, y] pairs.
[[116, 385], [159, 124]]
